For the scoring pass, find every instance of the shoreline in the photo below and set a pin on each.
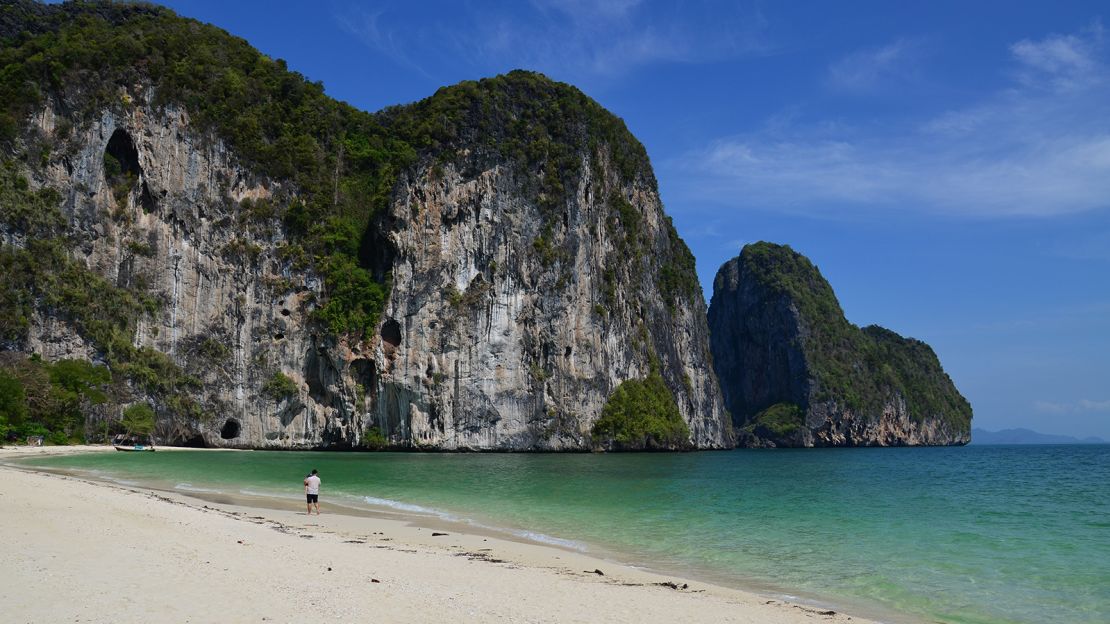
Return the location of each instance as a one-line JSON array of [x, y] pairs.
[[535, 581]]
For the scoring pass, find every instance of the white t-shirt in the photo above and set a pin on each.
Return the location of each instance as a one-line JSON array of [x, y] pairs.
[[313, 483]]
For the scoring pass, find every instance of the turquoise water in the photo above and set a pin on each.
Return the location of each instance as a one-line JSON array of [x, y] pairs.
[[975, 534]]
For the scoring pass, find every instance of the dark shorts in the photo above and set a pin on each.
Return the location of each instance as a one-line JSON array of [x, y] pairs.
[[313, 498]]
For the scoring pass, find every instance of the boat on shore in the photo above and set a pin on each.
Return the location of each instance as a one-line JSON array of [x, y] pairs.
[[129, 444], [135, 448]]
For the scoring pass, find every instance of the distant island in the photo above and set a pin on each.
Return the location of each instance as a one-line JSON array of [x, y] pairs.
[[1027, 436], [794, 372]]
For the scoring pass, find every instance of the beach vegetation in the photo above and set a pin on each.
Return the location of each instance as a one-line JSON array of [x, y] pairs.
[[642, 413], [39, 398], [13, 404], [138, 419], [374, 439], [778, 421]]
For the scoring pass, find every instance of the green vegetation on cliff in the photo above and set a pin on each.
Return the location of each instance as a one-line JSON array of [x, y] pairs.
[[641, 413], [913, 368], [778, 421], [279, 387], [859, 369], [335, 168], [344, 163], [41, 277], [91, 57]]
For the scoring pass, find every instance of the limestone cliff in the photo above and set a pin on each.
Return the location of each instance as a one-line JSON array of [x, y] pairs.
[[795, 372], [479, 270]]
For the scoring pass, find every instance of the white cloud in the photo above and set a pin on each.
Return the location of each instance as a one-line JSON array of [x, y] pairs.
[[1049, 407], [589, 9], [867, 69], [1061, 61], [1094, 406], [1083, 405], [1040, 147], [575, 37], [375, 31], [736, 244]]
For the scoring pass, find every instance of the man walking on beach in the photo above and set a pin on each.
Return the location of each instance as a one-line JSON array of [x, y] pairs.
[[312, 491]]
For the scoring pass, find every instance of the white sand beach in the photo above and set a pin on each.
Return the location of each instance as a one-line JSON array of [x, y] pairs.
[[76, 550]]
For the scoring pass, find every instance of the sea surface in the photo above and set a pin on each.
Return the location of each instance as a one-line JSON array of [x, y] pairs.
[[978, 534]]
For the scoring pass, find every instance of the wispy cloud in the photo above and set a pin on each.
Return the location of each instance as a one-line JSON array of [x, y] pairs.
[[1048, 407], [576, 37], [1081, 406], [871, 68], [1040, 147], [1061, 61], [372, 27]]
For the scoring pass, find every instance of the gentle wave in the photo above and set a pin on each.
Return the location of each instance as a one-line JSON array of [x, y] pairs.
[[532, 536], [399, 506], [543, 538], [245, 492], [189, 487]]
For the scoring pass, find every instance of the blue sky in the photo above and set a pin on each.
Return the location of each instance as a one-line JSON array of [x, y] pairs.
[[946, 165]]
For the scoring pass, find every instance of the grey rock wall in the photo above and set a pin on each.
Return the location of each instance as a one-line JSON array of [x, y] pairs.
[[180, 233], [494, 348], [482, 346]]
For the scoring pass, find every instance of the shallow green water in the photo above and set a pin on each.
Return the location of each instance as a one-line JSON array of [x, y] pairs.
[[972, 534]]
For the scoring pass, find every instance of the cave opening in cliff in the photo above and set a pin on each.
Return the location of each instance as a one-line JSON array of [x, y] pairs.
[[122, 149], [365, 372], [391, 332], [230, 430], [196, 441], [122, 171]]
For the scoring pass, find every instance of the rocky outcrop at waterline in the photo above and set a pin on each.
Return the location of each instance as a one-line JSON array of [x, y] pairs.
[[269, 268], [795, 372]]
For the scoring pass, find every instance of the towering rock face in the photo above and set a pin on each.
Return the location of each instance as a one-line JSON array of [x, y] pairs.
[[794, 372], [226, 314], [480, 270], [489, 342]]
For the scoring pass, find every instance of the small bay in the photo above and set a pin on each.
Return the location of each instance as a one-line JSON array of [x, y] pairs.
[[978, 534]]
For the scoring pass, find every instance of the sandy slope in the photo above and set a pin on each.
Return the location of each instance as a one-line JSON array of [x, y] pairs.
[[73, 550]]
